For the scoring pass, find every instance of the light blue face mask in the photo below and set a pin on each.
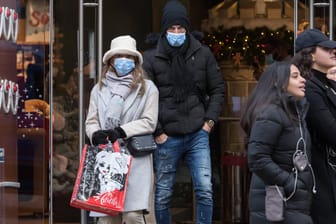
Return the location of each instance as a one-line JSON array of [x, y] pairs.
[[175, 39], [124, 66]]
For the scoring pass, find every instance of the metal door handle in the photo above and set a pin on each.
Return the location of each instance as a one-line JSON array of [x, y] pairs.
[[10, 184], [81, 72]]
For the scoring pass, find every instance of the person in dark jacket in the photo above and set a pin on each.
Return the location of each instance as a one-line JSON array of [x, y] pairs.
[[274, 122], [35, 77], [191, 95], [316, 55]]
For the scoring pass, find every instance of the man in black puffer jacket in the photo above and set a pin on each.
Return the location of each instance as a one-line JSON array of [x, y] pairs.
[[191, 91]]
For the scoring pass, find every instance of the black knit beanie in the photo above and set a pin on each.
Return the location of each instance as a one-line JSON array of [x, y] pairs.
[[174, 13]]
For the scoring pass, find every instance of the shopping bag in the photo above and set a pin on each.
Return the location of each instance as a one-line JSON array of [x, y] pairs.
[[101, 181]]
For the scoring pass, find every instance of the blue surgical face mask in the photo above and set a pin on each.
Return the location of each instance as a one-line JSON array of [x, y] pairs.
[[124, 66], [175, 39]]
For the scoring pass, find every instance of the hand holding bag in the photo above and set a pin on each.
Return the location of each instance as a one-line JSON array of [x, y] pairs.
[[274, 203], [141, 145]]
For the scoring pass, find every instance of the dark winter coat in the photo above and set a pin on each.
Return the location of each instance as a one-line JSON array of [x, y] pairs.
[[204, 103], [271, 146], [321, 120]]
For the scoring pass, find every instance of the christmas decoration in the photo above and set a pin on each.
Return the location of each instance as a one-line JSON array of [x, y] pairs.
[[237, 58], [251, 43]]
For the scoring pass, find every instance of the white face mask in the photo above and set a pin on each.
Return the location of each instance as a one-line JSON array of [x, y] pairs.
[[175, 39]]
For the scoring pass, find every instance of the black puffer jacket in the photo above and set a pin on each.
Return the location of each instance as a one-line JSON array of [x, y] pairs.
[[203, 104], [272, 143], [321, 120]]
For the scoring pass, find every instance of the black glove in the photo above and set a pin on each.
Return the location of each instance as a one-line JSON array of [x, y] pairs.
[[114, 134], [99, 137]]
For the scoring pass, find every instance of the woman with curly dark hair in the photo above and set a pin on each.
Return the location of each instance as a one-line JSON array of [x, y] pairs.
[[316, 58]]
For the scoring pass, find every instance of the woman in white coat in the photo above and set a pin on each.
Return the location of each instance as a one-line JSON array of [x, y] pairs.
[[123, 104]]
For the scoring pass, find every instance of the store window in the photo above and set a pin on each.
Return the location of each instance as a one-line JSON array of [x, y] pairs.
[[26, 100]]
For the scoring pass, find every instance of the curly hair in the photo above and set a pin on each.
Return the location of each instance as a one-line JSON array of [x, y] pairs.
[[304, 60]]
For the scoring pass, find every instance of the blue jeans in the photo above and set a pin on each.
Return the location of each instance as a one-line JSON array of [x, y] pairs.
[[195, 151]]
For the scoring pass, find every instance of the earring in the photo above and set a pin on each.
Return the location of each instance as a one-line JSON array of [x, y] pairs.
[[10, 89], [11, 18], [312, 57], [15, 98], [6, 88], [1, 93], [7, 16], [13, 25], [2, 20]]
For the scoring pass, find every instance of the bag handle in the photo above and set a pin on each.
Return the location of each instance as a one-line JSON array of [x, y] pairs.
[[114, 147]]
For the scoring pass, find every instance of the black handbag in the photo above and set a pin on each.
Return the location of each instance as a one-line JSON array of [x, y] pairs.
[[141, 145]]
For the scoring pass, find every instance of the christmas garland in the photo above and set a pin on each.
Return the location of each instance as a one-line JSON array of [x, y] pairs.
[[250, 43]]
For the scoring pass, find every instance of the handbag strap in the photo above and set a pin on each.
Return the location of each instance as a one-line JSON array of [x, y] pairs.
[[294, 189]]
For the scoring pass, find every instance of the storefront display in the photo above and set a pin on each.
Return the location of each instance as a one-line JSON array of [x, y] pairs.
[[44, 95]]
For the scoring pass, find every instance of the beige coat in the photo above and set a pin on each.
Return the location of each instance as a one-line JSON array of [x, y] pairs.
[[139, 116]]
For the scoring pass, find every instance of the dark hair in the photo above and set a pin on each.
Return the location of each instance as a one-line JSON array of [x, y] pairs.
[[271, 88], [303, 60]]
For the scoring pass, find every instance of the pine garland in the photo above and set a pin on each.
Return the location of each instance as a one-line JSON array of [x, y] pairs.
[[251, 43]]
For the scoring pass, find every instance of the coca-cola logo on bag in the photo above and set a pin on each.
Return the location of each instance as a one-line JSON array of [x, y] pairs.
[[9, 24]]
